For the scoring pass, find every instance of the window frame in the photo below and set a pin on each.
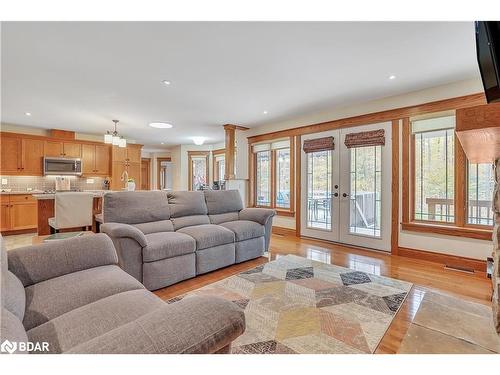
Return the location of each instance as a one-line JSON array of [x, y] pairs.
[[192, 154], [459, 227], [274, 178]]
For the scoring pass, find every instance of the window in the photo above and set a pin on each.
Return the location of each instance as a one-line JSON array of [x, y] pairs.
[[198, 169], [273, 173], [480, 187], [434, 163]]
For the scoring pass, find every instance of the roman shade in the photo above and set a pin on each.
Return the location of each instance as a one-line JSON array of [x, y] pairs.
[[365, 139], [318, 144]]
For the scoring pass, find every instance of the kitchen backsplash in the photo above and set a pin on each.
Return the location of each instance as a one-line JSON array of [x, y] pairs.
[[23, 183]]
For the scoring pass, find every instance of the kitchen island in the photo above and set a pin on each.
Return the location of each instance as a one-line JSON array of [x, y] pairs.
[[46, 210]]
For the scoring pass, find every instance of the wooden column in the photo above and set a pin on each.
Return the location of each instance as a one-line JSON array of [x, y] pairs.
[[230, 146], [496, 249]]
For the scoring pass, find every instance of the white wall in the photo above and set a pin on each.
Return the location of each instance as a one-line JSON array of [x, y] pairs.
[[436, 243]]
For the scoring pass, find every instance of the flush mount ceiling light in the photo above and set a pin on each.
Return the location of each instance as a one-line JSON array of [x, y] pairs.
[[198, 141], [27, 113], [166, 82], [161, 125], [265, 112], [391, 77], [114, 138]]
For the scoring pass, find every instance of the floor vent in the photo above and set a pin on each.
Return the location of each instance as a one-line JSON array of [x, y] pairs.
[[458, 268]]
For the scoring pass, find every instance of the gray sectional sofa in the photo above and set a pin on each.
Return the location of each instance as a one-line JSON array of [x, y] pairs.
[[166, 237], [72, 295]]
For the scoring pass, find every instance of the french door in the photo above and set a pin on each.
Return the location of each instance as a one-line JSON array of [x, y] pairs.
[[346, 192]]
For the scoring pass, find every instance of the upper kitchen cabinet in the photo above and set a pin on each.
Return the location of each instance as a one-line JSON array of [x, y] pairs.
[[21, 155], [61, 149], [96, 160], [131, 153], [478, 129]]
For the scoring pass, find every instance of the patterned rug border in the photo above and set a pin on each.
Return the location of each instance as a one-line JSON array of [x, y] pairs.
[[276, 344]]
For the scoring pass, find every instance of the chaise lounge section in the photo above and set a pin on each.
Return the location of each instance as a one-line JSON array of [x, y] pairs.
[[72, 295], [163, 238]]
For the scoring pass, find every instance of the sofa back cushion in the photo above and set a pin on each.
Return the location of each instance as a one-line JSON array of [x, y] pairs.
[[155, 226], [223, 201], [187, 203], [189, 221], [223, 218], [135, 207]]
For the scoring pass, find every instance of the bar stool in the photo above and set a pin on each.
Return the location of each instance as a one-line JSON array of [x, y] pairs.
[[72, 210]]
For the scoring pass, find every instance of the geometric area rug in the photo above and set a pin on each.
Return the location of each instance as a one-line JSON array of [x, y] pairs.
[[297, 305]]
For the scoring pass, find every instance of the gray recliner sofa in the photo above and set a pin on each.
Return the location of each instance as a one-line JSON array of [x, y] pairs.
[[166, 237], [72, 295]]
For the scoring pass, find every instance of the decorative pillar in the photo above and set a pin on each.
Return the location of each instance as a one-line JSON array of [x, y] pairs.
[[230, 146], [496, 249]]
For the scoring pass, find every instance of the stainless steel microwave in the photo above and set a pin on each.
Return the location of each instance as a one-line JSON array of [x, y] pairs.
[[62, 166]]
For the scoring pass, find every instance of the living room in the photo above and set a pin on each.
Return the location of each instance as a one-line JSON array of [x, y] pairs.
[[243, 188]]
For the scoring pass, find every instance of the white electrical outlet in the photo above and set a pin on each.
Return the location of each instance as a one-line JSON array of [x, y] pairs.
[[90, 180], [4, 181]]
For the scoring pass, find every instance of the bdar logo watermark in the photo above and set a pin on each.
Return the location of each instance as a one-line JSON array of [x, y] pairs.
[[23, 347]]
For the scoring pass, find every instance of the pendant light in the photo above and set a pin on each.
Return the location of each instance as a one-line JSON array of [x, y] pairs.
[[114, 138]]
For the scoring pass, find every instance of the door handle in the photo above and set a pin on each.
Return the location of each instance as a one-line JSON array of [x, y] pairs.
[[345, 195]]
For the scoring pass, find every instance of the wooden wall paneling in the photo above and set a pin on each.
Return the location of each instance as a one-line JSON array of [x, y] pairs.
[[371, 118], [406, 169], [395, 188]]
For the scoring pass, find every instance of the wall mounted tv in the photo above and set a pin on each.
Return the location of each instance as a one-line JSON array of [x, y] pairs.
[[488, 57]]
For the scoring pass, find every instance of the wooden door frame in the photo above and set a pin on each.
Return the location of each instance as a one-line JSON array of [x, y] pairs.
[[158, 167], [191, 154], [148, 162]]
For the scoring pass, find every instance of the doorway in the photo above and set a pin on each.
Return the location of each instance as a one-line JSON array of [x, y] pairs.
[[146, 174], [346, 189], [164, 173]]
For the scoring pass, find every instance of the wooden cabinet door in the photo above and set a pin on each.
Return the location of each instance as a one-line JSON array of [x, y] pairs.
[[134, 171], [134, 154], [72, 150], [10, 155], [23, 215], [116, 173], [5, 216], [54, 149], [119, 153], [32, 157], [88, 159], [102, 159]]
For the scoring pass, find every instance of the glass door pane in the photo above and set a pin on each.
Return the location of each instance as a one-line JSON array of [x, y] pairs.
[[263, 178], [319, 190], [365, 191]]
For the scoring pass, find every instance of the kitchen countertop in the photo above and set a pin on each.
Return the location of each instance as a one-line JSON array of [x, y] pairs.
[[96, 194], [21, 192]]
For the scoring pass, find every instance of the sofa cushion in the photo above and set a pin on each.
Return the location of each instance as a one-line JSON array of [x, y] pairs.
[[134, 207], [155, 226], [189, 221], [187, 203], [222, 201], [95, 319], [244, 229], [222, 218], [15, 297], [209, 235], [51, 298], [167, 245], [12, 329]]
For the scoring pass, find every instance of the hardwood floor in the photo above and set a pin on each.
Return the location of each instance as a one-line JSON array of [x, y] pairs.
[[423, 274]]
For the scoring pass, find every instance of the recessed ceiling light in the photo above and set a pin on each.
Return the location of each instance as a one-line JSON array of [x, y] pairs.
[[161, 125], [265, 112], [392, 77], [27, 113], [163, 143], [198, 141], [166, 82]]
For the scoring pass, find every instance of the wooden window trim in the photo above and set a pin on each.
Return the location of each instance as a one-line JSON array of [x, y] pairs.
[[290, 212], [459, 227], [190, 166]]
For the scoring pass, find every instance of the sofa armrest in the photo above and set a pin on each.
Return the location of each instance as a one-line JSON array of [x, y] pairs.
[[259, 215], [193, 325], [33, 264], [120, 230]]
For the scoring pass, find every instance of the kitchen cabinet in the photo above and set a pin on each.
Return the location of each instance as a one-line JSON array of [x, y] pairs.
[[21, 156], [131, 153], [95, 159], [133, 170], [18, 212], [61, 149]]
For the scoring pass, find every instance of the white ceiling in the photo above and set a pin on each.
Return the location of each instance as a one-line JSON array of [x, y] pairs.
[[81, 75]]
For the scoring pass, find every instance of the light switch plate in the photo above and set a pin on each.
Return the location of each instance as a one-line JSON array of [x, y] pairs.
[[4, 181], [90, 180]]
